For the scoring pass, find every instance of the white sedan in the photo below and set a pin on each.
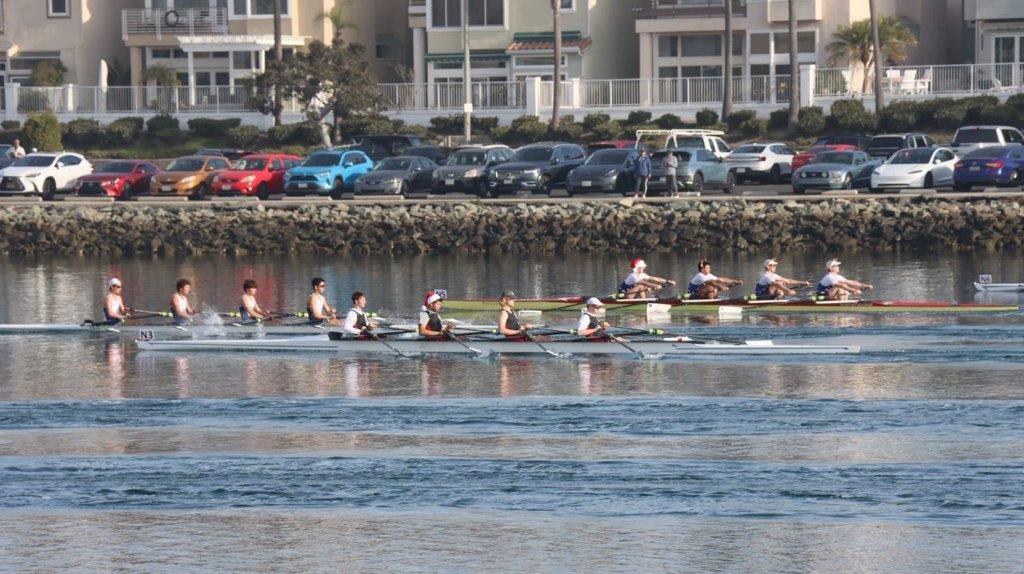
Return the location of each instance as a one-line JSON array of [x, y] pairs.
[[766, 162], [43, 174], [921, 168]]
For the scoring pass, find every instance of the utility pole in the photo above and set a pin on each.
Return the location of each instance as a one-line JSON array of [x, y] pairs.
[[876, 44], [278, 56], [467, 86]]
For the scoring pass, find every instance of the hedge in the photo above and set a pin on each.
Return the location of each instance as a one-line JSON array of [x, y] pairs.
[[707, 117], [211, 128], [10, 124], [738, 118], [850, 116], [82, 132], [161, 122], [42, 131], [454, 125], [124, 131], [810, 121], [248, 137]]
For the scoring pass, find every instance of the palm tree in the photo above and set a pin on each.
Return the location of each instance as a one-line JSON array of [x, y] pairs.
[[855, 43], [727, 68], [556, 79], [161, 75], [278, 56], [794, 71], [338, 19], [876, 48]]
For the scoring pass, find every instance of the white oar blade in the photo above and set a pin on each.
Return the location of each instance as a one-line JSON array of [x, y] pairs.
[[658, 310]]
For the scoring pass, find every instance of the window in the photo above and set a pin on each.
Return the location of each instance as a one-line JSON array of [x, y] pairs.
[[804, 42], [1005, 49], [447, 13], [759, 43], [1013, 136], [701, 45], [241, 60], [183, 78], [57, 8], [202, 78], [668, 46], [567, 5], [160, 53], [258, 8], [668, 72], [69, 160], [275, 165], [222, 79], [738, 40]]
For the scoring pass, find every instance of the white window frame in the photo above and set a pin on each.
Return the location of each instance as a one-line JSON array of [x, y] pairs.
[[432, 28], [1018, 37], [780, 58], [571, 8], [287, 8], [65, 14]]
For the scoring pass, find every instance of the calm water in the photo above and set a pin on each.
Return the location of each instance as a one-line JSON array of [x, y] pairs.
[[909, 457]]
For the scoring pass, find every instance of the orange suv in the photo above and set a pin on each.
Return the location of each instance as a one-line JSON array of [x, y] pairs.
[[189, 176]]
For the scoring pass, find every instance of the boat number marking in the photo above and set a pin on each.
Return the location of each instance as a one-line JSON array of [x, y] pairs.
[[985, 279], [146, 335], [443, 293]]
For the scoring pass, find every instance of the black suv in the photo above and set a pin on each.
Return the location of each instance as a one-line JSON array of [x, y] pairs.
[[538, 168], [885, 145], [382, 146], [467, 169], [848, 138]]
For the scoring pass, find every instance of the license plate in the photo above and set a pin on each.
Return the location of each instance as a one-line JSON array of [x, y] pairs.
[[975, 168], [741, 170], [508, 182], [225, 188], [449, 182], [165, 188], [587, 184], [303, 185]]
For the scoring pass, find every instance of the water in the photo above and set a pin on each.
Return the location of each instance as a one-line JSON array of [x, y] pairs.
[[909, 457]]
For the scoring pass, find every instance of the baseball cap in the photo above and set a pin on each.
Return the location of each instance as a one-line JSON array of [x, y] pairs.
[[509, 294], [595, 302], [638, 264], [113, 282], [833, 263], [432, 297], [768, 262]]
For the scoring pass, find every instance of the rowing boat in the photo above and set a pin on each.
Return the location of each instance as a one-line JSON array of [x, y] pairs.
[[999, 287], [165, 330], [679, 305], [666, 346]]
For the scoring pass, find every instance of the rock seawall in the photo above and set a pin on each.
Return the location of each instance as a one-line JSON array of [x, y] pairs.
[[475, 227]]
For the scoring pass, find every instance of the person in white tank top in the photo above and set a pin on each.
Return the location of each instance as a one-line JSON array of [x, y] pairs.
[[181, 310], [115, 311], [320, 311]]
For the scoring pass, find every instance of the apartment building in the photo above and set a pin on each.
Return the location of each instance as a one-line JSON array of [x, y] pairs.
[[996, 31], [76, 33], [218, 43], [513, 39]]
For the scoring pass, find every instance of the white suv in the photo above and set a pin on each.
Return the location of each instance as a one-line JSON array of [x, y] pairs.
[[767, 162], [43, 174], [710, 140], [969, 138]]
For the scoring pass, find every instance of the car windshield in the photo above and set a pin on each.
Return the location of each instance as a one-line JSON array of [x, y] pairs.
[[887, 142], [423, 151], [322, 160], [35, 161], [912, 156], [393, 165], [658, 157], [834, 157], [972, 136], [986, 153], [250, 164], [116, 167], [533, 154], [750, 149], [690, 142], [468, 158], [608, 157], [190, 164]]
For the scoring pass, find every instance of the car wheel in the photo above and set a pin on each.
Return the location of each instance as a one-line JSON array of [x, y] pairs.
[[262, 192], [404, 190], [928, 182], [200, 193], [962, 188], [1014, 179], [482, 190], [544, 185], [698, 183], [730, 183], [848, 182], [338, 189], [126, 193], [49, 189], [775, 175]]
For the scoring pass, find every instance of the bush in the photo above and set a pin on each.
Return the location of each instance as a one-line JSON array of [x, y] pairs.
[[453, 125], [161, 122], [707, 117], [755, 128], [302, 133], [123, 131], [81, 133], [850, 116], [247, 137], [637, 117], [810, 122], [609, 130], [43, 131], [591, 121], [567, 129], [10, 124], [525, 129], [779, 119], [671, 121], [998, 115], [364, 126], [169, 136], [900, 117], [951, 116], [738, 118], [211, 128]]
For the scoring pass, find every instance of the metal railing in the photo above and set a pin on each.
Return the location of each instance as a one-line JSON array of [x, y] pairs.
[[177, 22], [691, 8], [485, 95], [138, 100], [916, 81]]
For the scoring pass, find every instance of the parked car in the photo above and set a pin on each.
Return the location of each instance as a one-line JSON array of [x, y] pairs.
[[921, 168], [435, 153], [766, 162], [606, 170], [260, 174], [400, 175], [538, 168], [836, 170], [119, 179], [859, 141], [617, 144], [698, 170], [6, 161], [468, 168], [970, 138], [232, 154], [1000, 165], [883, 146], [327, 173], [189, 175], [803, 158], [391, 145], [710, 140], [43, 174], [5, 149]]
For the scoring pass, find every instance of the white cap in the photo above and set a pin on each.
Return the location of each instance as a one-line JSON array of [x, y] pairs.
[[639, 264], [833, 263], [433, 298], [595, 302], [112, 282], [768, 262]]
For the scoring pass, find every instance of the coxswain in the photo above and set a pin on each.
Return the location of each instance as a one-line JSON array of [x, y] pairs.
[[508, 319], [590, 326], [356, 322], [771, 285], [638, 284], [706, 285], [181, 310], [835, 287], [319, 310], [431, 326], [250, 310], [115, 311]]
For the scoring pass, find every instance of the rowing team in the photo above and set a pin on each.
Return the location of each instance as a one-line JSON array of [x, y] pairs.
[[706, 285]]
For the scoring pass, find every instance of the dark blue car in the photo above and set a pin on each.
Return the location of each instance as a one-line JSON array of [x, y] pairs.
[[997, 165]]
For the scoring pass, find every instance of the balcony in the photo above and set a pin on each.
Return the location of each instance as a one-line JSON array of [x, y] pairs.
[[806, 10], [997, 10], [691, 9], [417, 7], [182, 22]]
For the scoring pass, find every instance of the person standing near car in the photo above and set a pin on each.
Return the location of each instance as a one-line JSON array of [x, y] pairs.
[[16, 151], [642, 170], [671, 163]]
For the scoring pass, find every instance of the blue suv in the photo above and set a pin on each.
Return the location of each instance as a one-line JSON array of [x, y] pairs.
[[327, 172]]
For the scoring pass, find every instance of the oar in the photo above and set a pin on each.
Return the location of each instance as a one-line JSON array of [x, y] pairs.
[[659, 332], [145, 313], [533, 340], [382, 342], [639, 354], [451, 336]]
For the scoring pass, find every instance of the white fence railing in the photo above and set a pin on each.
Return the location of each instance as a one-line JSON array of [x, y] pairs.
[[177, 22], [137, 100], [904, 81]]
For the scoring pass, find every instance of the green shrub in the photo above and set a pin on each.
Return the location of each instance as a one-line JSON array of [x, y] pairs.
[[526, 129], [707, 117], [637, 117], [978, 106], [161, 122], [301, 133], [169, 136], [738, 118], [850, 116], [282, 134], [755, 128], [453, 125], [609, 130], [567, 129], [370, 125], [779, 119], [131, 126], [669, 121], [810, 122], [42, 131], [998, 115], [950, 116], [10, 124], [81, 133], [211, 128], [591, 121], [247, 137], [900, 117], [500, 134]]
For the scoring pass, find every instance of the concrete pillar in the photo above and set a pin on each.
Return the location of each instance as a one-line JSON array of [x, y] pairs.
[[419, 65], [533, 96], [771, 67], [11, 101], [576, 91], [135, 63], [191, 78], [69, 98], [808, 72], [647, 72]]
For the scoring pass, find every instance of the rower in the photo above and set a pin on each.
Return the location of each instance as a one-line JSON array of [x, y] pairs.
[[771, 285], [250, 310], [835, 287], [508, 319], [319, 310], [707, 285], [638, 284], [115, 311], [181, 310], [431, 326], [356, 322], [590, 326]]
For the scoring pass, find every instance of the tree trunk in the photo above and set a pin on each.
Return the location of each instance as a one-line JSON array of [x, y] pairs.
[[794, 71], [556, 79], [727, 68], [878, 56], [866, 82], [278, 56]]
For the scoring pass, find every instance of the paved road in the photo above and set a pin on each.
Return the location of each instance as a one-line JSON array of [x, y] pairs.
[[743, 193]]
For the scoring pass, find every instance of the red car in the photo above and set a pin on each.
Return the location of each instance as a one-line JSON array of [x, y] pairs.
[[260, 174], [803, 158], [119, 179]]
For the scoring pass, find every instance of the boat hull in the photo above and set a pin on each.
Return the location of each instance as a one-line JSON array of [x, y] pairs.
[[194, 330], [999, 287]]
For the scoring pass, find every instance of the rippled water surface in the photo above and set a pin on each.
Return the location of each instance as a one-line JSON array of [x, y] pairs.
[[907, 457]]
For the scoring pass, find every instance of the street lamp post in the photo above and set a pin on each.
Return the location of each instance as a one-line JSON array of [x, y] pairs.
[[467, 85]]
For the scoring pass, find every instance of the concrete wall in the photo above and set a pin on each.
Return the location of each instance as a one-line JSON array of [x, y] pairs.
[[615, 52]]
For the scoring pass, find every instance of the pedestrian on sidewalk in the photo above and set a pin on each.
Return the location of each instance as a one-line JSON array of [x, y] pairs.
[[16, 151], [642, 171], [671, 163]]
